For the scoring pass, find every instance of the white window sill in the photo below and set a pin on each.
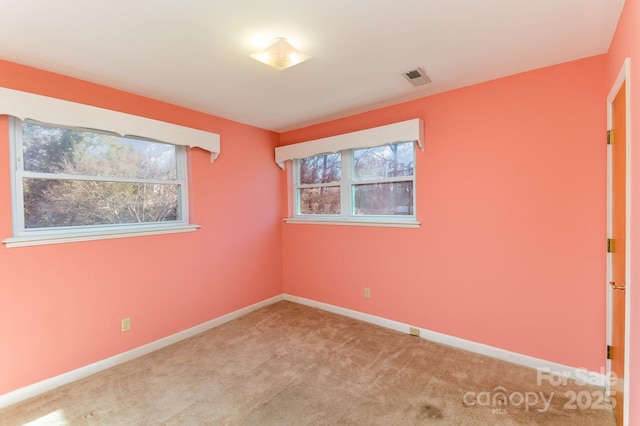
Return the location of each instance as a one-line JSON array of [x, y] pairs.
[[58, 237], [385, 223]]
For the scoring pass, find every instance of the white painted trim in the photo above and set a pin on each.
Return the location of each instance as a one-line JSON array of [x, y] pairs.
[[91, 235], [39, 388], [456, 342], [404, 131], [388, 224], [624, 76], [65, 113], [36, 389]]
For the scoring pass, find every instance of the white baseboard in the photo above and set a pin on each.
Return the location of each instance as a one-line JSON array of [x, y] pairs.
[[542, 366], [43, 386], [22, 394]]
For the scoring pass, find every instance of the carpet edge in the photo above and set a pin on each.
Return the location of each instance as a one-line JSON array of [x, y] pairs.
[[541, 365], [38, 388]]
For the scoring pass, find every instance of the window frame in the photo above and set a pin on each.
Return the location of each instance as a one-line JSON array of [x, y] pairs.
[[35, 236], [347, 184]]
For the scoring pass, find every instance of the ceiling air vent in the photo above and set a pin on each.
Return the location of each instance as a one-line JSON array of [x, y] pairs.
[[417, 77]]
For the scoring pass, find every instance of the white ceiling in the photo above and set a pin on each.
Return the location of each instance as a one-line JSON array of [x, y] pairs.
[[195, 53]]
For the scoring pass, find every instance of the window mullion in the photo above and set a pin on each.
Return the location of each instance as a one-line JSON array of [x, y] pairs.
[[64, 176], [384, 180], [318, 185], [346, 202], [296, 182]]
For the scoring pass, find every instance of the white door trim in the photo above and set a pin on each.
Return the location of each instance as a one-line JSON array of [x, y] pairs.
[[623, 77]]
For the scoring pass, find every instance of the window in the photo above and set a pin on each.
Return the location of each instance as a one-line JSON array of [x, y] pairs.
[[374, 184], [365, 177], [79, 183]]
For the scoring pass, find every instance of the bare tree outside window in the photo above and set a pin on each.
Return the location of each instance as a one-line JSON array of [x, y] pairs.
[[379, 181], [382, 164], [325, 168], [384, 161], [321, 175], [80, 178]]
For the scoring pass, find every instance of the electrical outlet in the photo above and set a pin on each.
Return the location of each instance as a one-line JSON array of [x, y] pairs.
[[367, 293], [414, 331], [125, 324]]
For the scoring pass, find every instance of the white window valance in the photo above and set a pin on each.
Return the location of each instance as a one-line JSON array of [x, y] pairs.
[[24, 105], [404, 131]]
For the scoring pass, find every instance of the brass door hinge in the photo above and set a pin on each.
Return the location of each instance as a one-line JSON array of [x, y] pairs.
[[610, 136], [609, 350], [611, 245]]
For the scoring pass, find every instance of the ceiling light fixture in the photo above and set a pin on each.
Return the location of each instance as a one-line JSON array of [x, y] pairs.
[[280, 55]]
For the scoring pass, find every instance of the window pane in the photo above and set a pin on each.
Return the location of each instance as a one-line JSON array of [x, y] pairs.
[[320, 169], [384, 161], [322, 200], [49, 149], [395, 198], [53, 203]]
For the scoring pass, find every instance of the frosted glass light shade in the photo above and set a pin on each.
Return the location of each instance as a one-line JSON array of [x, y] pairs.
[[280, 55]]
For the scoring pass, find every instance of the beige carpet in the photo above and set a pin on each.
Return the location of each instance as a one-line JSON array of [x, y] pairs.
[[288, 364]]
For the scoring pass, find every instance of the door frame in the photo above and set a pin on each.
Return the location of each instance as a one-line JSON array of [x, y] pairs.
[[623, 77]]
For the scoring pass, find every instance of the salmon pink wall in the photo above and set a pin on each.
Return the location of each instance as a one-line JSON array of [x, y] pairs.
[[61, 305], [626, 44], [511, 196]]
